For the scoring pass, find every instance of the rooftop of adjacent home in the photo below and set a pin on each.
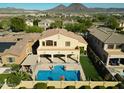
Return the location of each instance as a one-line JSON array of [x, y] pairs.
[[64, 32], [106, 35], [20, 44]]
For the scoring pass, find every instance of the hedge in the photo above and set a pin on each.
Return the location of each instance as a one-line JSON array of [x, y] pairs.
[[51, 87], [40, 86], [70, 87], [85, 87], [99, 87]]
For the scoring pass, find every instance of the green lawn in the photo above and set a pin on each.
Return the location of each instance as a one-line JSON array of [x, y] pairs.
[[89, 69]]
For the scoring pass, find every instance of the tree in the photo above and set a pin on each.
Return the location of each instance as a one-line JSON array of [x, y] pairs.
[[76, 27], [23, 75], [17, 24], [34, 29], [15, 67], [5, 24], [57, 24], [112, 22], [35, 22], [100, 17], [13, 80]]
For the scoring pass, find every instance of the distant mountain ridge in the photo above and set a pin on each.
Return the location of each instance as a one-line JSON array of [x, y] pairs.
[[15, 10], [78, 7], [74, 7], [58, 8], [71, 8]]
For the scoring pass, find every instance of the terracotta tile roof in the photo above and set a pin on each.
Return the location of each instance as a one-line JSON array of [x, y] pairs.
[[106, 36], [64, 32], [20, 45]]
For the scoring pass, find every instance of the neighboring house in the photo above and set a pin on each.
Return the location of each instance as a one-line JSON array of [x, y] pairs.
[[98, 24], [18, 52], [29, 22], [121, 25], [108, 45], [69, 22], [60, 43], [45, 23]]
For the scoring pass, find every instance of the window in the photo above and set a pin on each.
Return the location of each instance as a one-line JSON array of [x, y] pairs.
[[118, 46], [67, 43], [55, 43], [43, 43], [110, 46], [10, 59], [49, 43]]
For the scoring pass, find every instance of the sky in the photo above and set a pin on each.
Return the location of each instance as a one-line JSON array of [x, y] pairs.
[[45, 6]]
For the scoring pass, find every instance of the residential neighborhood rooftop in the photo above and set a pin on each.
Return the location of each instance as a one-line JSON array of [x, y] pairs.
[[106, 36], [64, 32], [17, 49]]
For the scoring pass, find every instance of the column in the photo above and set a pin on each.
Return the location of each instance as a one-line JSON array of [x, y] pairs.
[[66, 58], [52, 57], [107, 62], [119, 61], [39, 59]]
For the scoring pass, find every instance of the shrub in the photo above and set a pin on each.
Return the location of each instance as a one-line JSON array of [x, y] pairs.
[[85, 87], [99, 87], [120, 86], [22, 88], [112, 87], [70, 87], [51, 87], [40, 86]]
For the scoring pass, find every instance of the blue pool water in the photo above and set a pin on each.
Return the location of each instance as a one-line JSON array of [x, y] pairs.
[[57, 72]]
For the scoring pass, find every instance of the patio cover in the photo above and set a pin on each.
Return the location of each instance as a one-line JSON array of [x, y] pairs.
[[30, 60]]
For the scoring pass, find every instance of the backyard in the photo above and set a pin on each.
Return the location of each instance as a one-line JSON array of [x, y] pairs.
[[89, 69]]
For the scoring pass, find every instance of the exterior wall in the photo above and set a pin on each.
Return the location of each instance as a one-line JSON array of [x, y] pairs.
[[63, 84], [97, 46], [121, 25], [60, 39], [4, 59]]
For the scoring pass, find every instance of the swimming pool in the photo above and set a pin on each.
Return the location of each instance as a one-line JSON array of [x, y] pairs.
[[57, 73]]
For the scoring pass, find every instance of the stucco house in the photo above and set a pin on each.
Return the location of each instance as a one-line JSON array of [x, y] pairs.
[[45, 23], [29, 22], [60, 43], [108, 45], [18, 52], [121, 25]]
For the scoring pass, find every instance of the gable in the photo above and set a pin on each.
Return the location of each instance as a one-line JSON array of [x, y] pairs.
[[59, 37]]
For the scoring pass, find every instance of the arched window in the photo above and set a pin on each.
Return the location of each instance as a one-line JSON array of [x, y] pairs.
[[49, 43]]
